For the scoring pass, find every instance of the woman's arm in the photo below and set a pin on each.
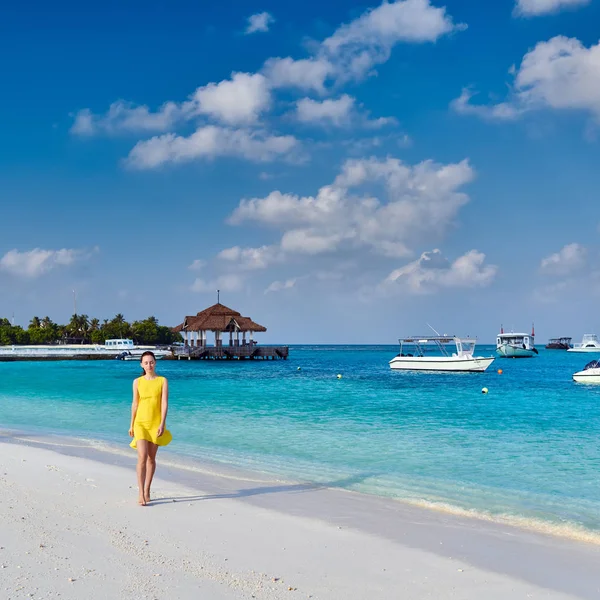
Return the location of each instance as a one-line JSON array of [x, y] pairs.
[[164, 407], [134, 405]]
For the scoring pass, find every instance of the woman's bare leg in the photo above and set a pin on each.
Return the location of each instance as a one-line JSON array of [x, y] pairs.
[[142, 448], [150, 468]]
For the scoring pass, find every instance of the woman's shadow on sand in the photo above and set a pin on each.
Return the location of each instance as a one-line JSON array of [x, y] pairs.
[[269, 489]]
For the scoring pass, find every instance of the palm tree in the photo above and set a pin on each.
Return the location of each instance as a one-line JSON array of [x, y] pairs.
[[35, 323], [78, 326]]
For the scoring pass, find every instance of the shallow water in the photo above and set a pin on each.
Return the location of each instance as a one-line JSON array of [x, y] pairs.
[[527, 451]]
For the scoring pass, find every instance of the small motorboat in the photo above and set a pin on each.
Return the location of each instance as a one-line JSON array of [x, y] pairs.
[[413, 355], [589, 343], [560, 343], [590, 373], [516, 345]]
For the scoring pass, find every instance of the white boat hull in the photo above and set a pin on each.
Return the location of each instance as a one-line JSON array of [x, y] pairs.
[[452, 364], [596, 350], [587, 376], [508, 351]]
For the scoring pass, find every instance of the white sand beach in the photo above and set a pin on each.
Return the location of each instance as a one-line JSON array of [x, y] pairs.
[[70, 528]]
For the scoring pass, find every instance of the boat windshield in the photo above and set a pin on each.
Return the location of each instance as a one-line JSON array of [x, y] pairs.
[[595, 364], [467, 346]]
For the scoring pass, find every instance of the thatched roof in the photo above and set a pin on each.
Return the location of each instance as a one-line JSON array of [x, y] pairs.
[[218, 318]]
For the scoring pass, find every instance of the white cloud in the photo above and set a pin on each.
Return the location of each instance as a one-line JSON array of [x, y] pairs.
[[311, 241], [560, 74], [305, 74], [126, 117], [236, 101], [209, 142], [259, 22], [505, 111], [33, 263], [419, 200], [569, 259], [337, 111], [279, 286], [356, 47], [368, 40], [225, 283], [432, 271], [534, 8], [340, 112], [250, 258], [197, 265]]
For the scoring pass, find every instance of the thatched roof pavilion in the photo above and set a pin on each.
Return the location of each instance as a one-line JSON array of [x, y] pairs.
[[218, 319]]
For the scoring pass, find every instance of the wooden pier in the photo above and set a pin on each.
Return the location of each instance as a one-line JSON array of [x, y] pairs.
[[247, 352]]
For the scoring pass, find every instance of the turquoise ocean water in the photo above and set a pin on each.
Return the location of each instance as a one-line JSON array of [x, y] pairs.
[[527, 452]]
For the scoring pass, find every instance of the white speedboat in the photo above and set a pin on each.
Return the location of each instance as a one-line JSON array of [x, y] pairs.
[[417, 354], [115, 348], [590, 373], [516, 345], [589, 343]]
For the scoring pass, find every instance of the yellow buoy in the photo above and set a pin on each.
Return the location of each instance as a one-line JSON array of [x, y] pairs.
[[339, 376], [484, 391], [499, 371]]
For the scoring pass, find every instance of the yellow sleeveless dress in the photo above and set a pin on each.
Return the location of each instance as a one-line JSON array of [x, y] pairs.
[[147, 417]]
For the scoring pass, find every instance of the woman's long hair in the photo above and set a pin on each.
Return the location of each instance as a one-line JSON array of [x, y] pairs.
[[147, 353]]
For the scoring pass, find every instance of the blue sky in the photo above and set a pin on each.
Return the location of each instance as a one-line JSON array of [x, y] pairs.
[[343, 171]]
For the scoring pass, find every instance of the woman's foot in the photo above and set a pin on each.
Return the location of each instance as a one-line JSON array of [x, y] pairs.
[[142, 500], [147, 496]]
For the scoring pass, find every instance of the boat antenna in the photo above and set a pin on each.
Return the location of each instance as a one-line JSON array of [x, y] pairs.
[[218, 296], [436, 332]]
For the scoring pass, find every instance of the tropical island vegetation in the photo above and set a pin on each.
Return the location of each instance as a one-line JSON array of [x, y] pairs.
[[83, 330]]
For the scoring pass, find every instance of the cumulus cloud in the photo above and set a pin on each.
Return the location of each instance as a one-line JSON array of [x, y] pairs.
[[305, 74], [126, 117], [236, 101], [260, 22], [239, 100], [335, 111], [279, 286], [250, 258], [534, 8], [338, 112], [432, 271], [560, 74], [504, 111], [226, 283], [418, 200], [569, 259], [36, 262], [357, 46], [197, 265], [209, 142]]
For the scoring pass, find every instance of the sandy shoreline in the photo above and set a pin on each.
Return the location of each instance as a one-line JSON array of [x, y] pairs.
[[70, 528]]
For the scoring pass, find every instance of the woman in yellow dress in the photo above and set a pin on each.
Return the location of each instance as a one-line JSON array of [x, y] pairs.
[[148, 422]]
